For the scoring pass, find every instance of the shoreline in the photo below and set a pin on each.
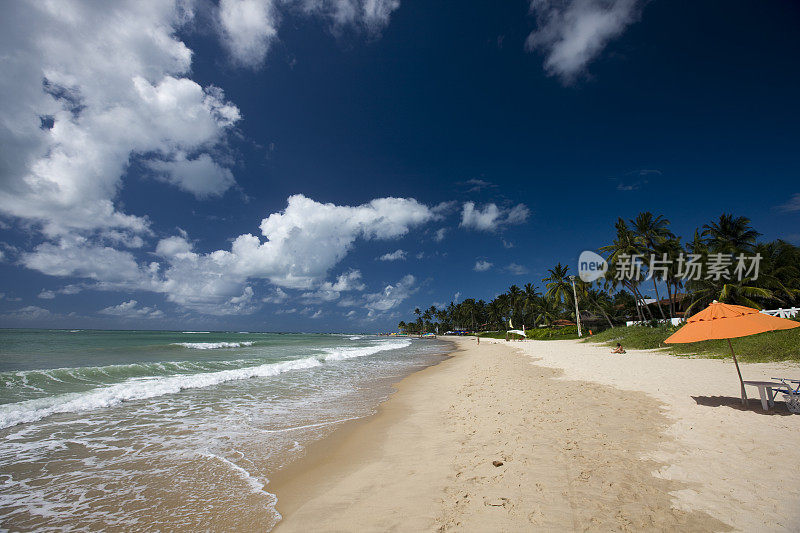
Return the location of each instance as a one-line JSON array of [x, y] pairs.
[[333, 456], [577, 453]]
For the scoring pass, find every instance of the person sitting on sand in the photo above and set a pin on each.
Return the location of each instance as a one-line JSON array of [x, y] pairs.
[[618, 349]]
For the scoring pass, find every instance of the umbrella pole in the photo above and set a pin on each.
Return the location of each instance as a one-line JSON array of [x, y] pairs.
[[741, 381]]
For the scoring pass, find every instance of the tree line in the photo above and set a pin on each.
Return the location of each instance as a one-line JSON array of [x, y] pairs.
[[725, 250]]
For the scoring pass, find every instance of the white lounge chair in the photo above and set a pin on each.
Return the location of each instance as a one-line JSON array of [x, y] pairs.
[[791, 394]]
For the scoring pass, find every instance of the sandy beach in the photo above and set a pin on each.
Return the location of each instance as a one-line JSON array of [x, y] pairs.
[[555, 435]]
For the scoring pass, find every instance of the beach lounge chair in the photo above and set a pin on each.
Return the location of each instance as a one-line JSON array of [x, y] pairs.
[[791, 394]]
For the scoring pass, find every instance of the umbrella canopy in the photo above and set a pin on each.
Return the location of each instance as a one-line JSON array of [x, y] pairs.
[[725, 321]]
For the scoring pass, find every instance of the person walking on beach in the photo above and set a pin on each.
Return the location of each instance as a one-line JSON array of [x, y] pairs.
[[479, 339]]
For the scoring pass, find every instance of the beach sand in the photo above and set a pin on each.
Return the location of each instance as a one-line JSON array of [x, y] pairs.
[[587, 441]]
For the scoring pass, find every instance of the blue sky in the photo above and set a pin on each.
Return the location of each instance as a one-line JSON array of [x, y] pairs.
[[328, 165]]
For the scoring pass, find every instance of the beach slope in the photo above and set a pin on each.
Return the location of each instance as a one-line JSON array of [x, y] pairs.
[[492, 440]]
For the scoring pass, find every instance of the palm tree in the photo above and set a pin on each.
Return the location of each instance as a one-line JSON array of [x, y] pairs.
[[626, 244], [559, 287], [652, 232], [744, 292], [594, 297], [530, 299], [730, 235], [546, 312], [515, 301], [672, 249]]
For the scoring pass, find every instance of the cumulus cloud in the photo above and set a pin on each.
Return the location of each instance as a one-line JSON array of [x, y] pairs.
[[482, 266], [301, 245], [438, 236], [329, 292], [492, 217], [397, 255], [201, 176], [46, 295], [571, 33], [247, 28], [391, 296], [131, 309], [87, 90], [278, 296]]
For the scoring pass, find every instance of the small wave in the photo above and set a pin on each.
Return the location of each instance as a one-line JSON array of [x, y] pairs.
[[137, 389], [343, 352], [253, 482], [213, 345], [194, 332], [356, 338]]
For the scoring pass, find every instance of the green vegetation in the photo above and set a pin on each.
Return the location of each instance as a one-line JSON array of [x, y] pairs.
[[764, 347], [654, 259]]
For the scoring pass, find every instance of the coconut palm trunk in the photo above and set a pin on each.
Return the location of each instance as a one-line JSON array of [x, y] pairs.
[[658, 299]]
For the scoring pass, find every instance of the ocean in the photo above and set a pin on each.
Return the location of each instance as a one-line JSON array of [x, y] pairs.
[[174, 430]]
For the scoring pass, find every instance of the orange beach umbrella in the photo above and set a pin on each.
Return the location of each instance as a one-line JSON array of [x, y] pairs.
[[725, 321]]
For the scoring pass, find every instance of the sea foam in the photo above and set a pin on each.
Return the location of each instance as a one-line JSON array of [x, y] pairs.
[[137, 389], [213, 345]]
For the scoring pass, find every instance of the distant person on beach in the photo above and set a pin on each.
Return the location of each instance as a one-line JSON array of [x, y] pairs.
[[479, 339], [618, 349]]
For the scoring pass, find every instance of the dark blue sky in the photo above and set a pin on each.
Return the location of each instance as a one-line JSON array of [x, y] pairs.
[[691, 111]]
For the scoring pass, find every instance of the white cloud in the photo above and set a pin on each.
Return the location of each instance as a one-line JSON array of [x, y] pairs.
[[302, 243], [317, 314], [277, 297], [492, 217], [516, 269], [439, 235], [329, 292], [571, 33], [372, 15], [456, 296], [46, 295], [174, 246], [391, 296], [110, 85], [792, 205], [397, 255], [79, 258], [482, 266], [201, 176], [247, 28], [475, 185], [131, 309], [30, 312]]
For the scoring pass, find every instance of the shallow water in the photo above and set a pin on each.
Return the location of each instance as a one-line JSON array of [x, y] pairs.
[[168, 430]]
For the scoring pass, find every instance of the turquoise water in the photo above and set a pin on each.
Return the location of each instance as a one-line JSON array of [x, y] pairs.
[[167, 430]]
